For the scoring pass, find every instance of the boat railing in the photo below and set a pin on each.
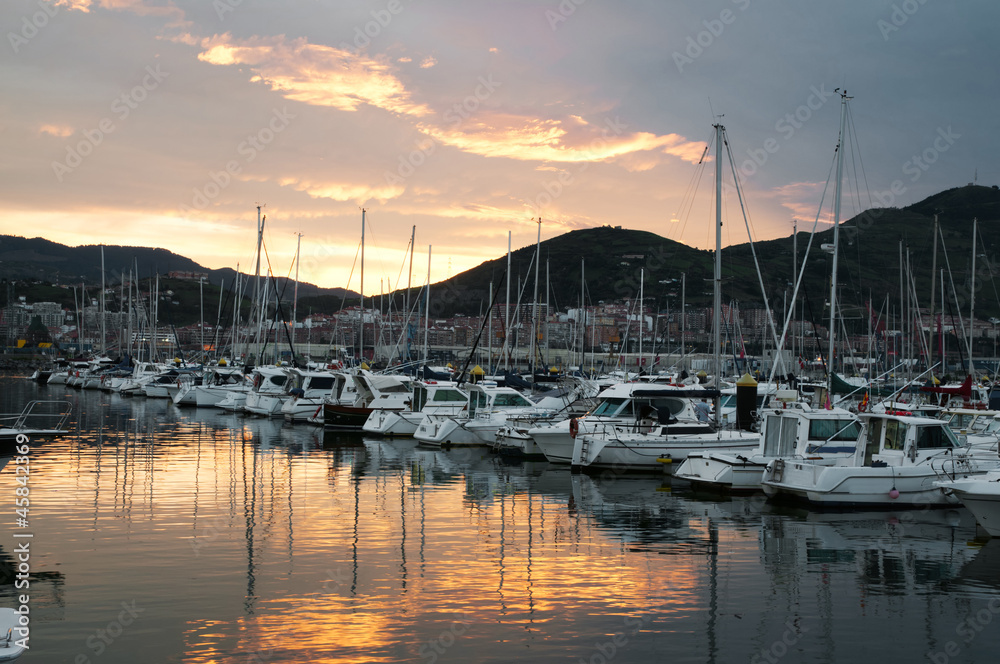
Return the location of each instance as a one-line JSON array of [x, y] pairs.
[[20, 421]]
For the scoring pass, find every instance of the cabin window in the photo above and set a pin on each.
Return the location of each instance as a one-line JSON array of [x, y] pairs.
[[834, 429], [673, 406], [609, 407], [508, 400], [779, 440], [449, 396], [321, 382], [395, 389], [419, 398], [935, 437], [728, 401], [278, 380], [960, 421], [895, 435]]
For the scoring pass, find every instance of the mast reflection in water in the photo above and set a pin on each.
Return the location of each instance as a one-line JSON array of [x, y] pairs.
[[249, 540]]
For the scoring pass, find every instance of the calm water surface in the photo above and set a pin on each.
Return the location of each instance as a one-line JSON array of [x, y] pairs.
[[245, 540]]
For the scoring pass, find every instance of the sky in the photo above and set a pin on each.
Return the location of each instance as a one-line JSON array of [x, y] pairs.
[[165, 123]]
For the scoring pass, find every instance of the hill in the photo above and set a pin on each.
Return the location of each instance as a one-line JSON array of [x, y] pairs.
[[41, 270]]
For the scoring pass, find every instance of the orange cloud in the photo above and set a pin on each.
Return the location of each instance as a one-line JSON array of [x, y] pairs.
[[59, 131], [315, 74]]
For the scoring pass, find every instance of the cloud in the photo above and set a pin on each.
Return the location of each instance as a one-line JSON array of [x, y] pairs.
[[59, 131], [315, 74], [428, 62], [571, 139], [343, 191]]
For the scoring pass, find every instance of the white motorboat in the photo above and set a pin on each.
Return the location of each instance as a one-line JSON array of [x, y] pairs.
[[899, 461], [306, 390], [268, 391], [429, 397], [488, 408], [795, 432], [981, 495]]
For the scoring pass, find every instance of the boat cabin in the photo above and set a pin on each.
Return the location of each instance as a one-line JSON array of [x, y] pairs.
[[898, 440]]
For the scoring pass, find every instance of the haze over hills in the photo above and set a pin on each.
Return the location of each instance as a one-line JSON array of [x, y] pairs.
[[615, 259]]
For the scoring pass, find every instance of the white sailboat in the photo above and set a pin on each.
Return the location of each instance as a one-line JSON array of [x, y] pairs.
[[666, 443]]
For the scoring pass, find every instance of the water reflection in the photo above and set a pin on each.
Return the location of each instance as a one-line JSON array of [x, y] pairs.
[[245, 537]]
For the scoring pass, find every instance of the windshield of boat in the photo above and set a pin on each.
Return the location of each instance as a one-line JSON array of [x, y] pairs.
[[844, 429], [609, 407], [992, 427], [936, 437]]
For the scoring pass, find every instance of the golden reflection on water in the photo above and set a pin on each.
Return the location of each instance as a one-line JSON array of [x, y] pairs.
[[250, 540]]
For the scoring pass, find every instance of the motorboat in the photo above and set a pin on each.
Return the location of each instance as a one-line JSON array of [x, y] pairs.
[[793, 431], [899, 460]]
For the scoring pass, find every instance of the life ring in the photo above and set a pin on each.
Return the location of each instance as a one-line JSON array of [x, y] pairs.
[[574, 427], [861, 407]]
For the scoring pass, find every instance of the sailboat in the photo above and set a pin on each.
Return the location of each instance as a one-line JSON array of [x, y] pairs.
[[898, 458], [669, 439], [792, 430]]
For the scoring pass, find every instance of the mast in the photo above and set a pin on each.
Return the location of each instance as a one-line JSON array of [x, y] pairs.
[[972, 296], [717, 281], [256, 281], [295, 294], [534, 304], [104, 335], [201, 326], [409, 277], [427, 308], [683, 317], [930, 361], [506, 324], [361, 342], [836, 238], [642, 318], [583, 317], [795, 275]]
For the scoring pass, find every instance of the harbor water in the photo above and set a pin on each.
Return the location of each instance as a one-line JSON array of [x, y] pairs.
[[166, 534]]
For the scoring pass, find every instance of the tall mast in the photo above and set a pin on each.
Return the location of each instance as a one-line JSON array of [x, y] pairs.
[[361, 342], [256, 281], [683, 316], [534, 302], [972, 296], [836, 238], [409, 278], [104, 335], [427, 308], [642, 321], [506, 323], [930, 361], [295, 293], [583, 316], [795, 276], [717, 301]]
